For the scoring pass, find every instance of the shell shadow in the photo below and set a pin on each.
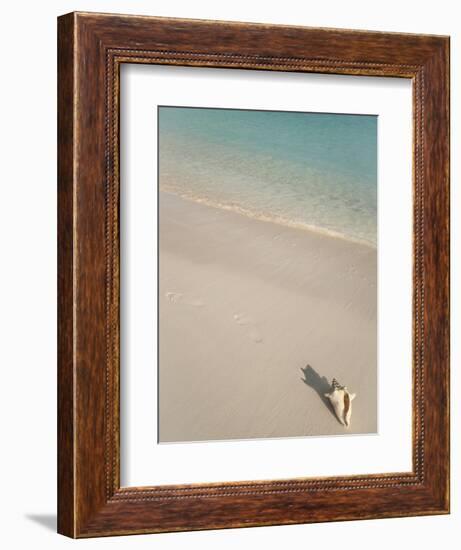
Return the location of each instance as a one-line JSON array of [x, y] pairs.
[[319, 384]]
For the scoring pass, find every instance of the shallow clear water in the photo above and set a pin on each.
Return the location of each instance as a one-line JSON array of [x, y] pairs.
[[311, 170]]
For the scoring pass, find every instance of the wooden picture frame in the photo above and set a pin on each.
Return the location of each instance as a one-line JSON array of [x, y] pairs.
[[91, 48]]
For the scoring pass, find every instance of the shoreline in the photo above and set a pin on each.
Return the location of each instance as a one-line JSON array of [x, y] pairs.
[[278, 220], [256, 319]]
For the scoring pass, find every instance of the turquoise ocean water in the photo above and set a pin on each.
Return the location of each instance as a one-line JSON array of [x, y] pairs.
[[310, 170]]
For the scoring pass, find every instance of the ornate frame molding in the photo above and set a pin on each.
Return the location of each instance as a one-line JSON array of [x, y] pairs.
[[91, 49]]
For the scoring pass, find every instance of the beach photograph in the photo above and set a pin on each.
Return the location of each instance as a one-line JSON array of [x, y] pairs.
[[267, 274]]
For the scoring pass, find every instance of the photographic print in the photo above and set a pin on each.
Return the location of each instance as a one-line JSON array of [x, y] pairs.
[[267, 293]]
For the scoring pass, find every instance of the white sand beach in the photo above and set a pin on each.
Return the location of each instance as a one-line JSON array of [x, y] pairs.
[[255, 320]]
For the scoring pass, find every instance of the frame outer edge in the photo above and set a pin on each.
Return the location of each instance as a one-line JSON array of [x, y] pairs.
[[437, 233], [85, 507], [66, 497], [448, 176]]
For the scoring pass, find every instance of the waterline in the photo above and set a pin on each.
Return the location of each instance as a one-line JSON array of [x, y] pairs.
[[261, 216]]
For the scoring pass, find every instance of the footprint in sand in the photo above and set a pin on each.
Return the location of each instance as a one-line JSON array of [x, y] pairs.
[[243, 319], [256, 337], [179, 298], [173, 297]]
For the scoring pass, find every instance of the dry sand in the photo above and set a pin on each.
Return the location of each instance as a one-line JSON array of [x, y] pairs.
[[255, 321]]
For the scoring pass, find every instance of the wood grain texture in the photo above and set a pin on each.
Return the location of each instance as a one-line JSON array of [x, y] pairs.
[[91, 49], [66, 471]]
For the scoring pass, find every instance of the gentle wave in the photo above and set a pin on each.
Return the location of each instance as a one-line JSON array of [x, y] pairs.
[[304, 170], [266, 217]]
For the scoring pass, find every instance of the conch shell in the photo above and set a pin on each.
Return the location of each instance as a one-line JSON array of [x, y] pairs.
[[341, 401]]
